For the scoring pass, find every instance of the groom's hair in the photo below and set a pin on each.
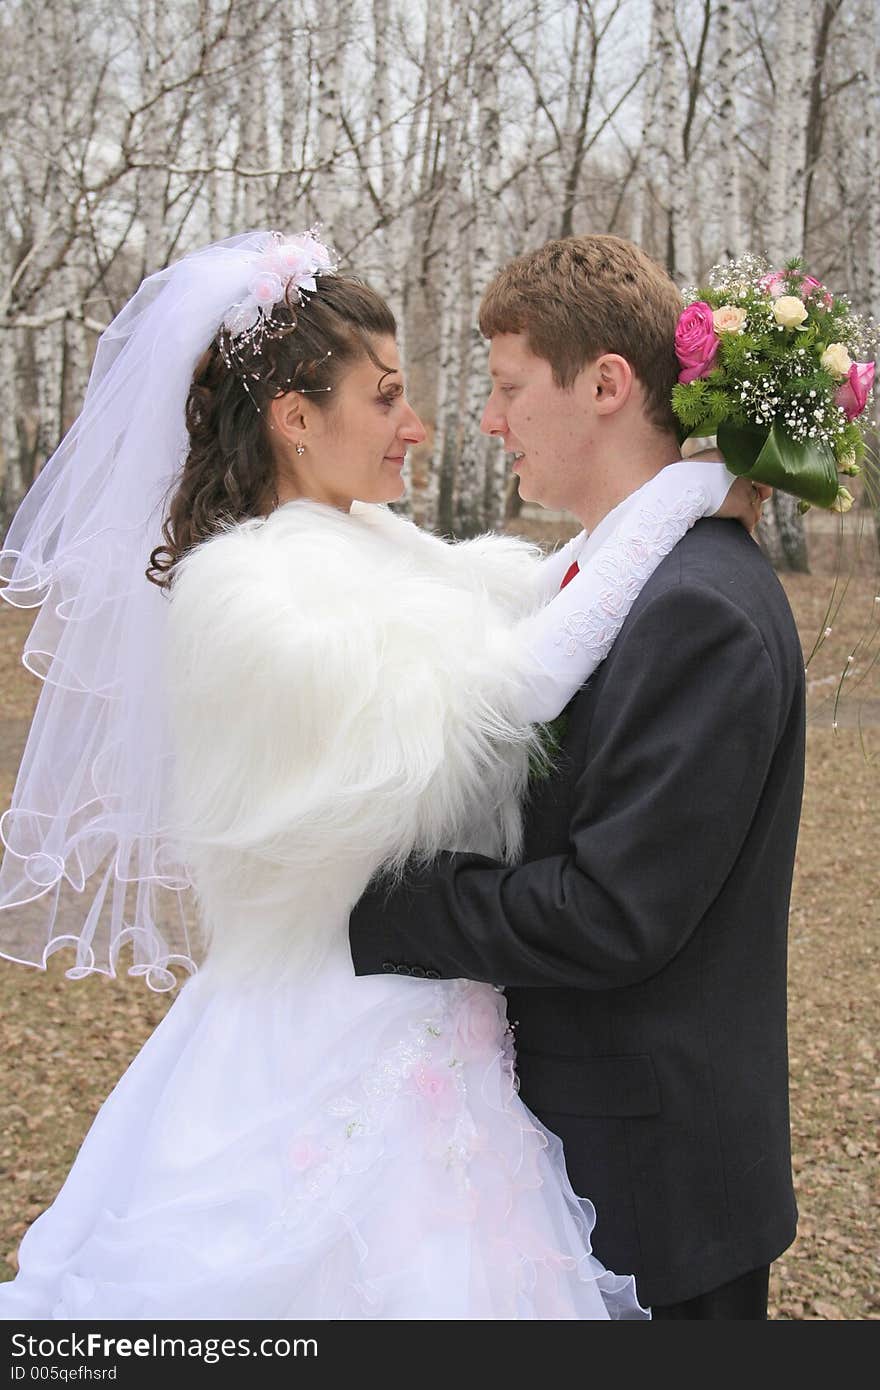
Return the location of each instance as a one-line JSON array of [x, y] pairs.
[[580, 296]]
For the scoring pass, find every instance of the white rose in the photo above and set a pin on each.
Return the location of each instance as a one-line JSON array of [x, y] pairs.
[[836, 360], [729, 319], [789, 311]]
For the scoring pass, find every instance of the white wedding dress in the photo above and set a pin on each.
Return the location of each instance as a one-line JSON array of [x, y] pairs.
[[293, 1141]]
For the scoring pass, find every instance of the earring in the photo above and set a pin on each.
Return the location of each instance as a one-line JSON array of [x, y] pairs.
[[300, 448]]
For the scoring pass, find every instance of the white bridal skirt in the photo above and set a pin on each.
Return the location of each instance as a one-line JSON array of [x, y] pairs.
[[331, 1147]]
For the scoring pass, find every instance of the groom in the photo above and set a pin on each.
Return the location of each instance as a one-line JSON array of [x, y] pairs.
[[642, 939]]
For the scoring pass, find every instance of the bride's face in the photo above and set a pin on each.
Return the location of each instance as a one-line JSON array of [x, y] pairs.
[[355, 448]]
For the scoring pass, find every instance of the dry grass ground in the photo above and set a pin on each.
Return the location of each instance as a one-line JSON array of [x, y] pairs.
[[64, 1045]]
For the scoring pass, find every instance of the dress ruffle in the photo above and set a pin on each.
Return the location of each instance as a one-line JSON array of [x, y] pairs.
[[339, 1148]]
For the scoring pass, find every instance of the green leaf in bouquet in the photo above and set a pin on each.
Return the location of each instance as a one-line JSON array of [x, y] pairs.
[[691, 405], [718, 404], [851, 442], [807, 470], [776, 347], [735, 349]]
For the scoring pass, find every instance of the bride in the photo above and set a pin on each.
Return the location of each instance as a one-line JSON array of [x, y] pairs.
[[309, 691]]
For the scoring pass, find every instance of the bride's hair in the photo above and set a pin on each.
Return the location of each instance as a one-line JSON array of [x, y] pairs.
[[229, 471]]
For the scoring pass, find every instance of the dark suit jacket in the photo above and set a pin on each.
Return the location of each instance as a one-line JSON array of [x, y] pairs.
[[642, 939]]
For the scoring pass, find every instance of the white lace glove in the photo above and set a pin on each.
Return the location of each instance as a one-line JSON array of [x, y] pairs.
[[554, 567], [568, 638]]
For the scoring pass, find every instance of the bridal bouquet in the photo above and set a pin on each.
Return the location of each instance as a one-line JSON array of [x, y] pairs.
[[781, 372]]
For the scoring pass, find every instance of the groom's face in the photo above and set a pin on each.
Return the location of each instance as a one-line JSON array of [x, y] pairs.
[[547, 429]]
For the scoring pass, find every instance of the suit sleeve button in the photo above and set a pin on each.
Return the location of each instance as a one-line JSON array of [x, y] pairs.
[[389, 967], [432, 974], [418, 972]]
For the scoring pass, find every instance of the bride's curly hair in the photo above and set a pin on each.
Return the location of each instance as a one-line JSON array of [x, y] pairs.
[[228, 474]]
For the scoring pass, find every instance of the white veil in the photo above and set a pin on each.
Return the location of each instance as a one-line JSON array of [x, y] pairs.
[[89, 862]]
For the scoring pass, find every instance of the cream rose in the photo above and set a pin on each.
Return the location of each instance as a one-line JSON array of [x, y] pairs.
[[789, 311], [729, 319], [843, 501], [836, 360]]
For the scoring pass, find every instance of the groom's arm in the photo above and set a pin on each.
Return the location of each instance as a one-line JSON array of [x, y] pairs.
[[683, 745]]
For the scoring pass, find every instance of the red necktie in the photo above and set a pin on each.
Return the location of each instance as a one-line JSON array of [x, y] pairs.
[[569, 575]]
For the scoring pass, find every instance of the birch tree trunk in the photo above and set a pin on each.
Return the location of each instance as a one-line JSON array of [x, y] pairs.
[[15, 482], [419, 177], [650, 153], [474, 490], [382, 100], [781, 532], [780, 137], [821, 18], [450, 206], [729, 162], [210, 130], [48, 368], [868, 24], [252, 124], [384, 191], [806, 71], [799, 32], [439, 514], [330, 48], [151, 180], [78, 342], [289, 42], [679, 259], [577, 108]]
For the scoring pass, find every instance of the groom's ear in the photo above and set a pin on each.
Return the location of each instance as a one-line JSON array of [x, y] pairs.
[[611, 383]]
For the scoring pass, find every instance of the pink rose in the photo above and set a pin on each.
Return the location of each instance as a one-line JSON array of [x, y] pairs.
[[774, 284], [320, 255], [290, 261], [267, 288], [437, 1087], [696, 342], [242, 317], [852, 394], [809, 286], [480, 1024]]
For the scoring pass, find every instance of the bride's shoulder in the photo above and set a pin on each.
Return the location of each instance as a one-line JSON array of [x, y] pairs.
[[306, 568], [309, 556], [300, 540], [504, 569]]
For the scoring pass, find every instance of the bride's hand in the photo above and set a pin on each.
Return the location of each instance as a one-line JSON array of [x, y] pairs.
[[744, 502]]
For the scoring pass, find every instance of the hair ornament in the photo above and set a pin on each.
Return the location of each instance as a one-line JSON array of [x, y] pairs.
[[285, 270]]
